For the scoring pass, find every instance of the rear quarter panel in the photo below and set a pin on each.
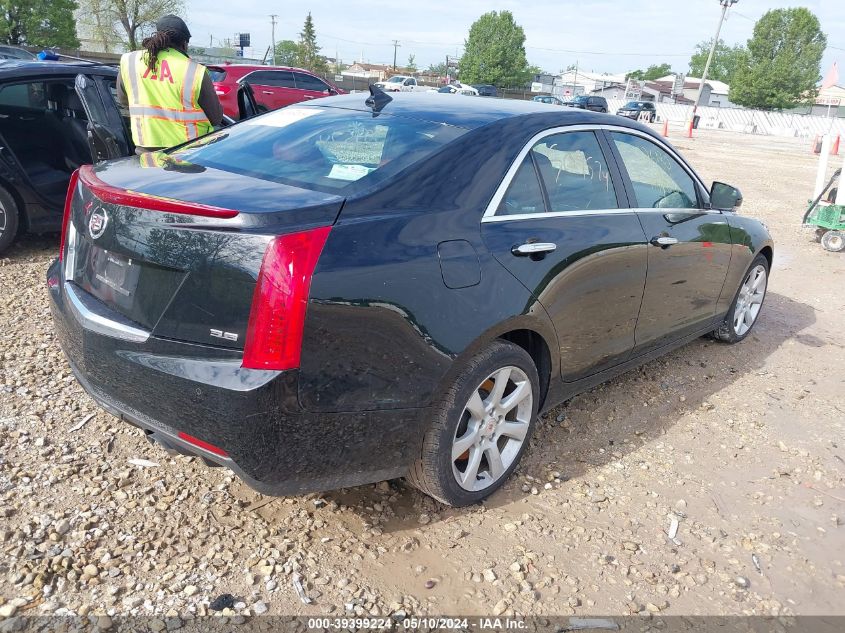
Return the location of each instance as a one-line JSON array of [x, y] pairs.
[[383, 329]]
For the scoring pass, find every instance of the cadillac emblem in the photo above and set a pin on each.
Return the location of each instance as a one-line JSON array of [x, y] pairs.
[[97, 223]]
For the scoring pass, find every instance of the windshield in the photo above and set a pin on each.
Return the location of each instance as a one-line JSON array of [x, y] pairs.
[[327, 149], [634, 105], [580, 99], [395, 80]]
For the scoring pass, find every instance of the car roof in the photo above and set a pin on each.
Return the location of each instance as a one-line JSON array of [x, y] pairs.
[[462, 112], [251, 67], [22, 68]]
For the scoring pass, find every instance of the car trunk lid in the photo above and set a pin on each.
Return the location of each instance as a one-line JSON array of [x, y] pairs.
[[176, 248]]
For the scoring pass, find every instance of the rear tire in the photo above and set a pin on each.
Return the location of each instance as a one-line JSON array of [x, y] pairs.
[[9, 219], [747, 303], [833, 241], [475, 441]]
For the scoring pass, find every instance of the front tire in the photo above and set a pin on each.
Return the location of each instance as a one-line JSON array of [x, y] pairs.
[[747, 303], [481, 427], [9, 219]]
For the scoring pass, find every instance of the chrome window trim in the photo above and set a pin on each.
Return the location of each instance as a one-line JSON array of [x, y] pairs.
[[501, 190], [100, 324], [557, 214]]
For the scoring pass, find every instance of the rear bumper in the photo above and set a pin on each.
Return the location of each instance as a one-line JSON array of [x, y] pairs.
[[168, 388]]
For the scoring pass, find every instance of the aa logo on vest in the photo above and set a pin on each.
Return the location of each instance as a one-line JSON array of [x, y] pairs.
[[166, 75]]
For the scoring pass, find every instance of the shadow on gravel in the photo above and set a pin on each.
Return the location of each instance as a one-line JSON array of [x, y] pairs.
[[32, 246], [610, 421]]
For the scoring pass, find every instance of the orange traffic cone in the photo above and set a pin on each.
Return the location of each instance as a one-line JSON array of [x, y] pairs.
[[666, 128], [689, 130], [834, 151]]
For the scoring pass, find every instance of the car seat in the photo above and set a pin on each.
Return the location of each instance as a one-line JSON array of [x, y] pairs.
[[67, 110], [76, 122]]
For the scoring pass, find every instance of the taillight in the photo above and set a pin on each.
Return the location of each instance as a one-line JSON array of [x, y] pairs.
[[116, 195], [222, 89], [277, 317], [71, 190]]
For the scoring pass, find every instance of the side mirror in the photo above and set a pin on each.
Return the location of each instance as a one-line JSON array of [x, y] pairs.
[[331, 91], [723, 196]]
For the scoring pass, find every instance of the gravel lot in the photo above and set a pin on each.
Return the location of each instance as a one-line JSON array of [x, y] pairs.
[[743, 446]]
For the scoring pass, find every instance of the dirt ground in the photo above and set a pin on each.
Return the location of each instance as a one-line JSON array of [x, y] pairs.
[[743, 446]]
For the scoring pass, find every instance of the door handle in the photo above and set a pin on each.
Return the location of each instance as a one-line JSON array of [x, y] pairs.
[[266, 92], [307, 97], [663, 240], [534, 248]]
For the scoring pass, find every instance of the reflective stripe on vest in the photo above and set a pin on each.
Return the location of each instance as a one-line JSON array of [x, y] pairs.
[[164, 102]]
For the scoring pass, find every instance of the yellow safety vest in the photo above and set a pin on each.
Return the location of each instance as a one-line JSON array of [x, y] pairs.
[[164, 102]]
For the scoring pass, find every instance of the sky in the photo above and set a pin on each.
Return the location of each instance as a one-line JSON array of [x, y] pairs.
[[600, 35]]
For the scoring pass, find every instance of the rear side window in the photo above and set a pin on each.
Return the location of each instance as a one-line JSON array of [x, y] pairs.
[[217, 74], [28, 95], [327, 149], [308, 82], [658, 179], [524, 194], [273, 78], [574, 172]]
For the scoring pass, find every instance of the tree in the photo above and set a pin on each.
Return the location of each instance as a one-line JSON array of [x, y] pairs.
[[309, 52], [438, 70], [726, 60], [783, 61], [412, 64], [651, 73], [39, 23], [124, 23], [494, 52], [287, 53]]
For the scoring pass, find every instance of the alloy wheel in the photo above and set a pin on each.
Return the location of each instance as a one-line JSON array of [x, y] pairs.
[[750, 300], [492, 429]]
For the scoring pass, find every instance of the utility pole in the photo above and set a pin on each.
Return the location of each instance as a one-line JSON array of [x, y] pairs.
[[725, 5], [273, 35], [396, 45]]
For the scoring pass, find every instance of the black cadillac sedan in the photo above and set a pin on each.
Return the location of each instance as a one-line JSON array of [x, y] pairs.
[[349, 291]]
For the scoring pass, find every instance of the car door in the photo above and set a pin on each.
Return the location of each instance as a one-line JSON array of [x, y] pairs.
[[559, 223], [689, 244], [273, 89], [107, 134], [247, 105], [310, 87]]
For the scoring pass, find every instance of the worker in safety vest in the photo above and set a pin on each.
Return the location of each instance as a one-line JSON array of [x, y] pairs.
[[171, 98]]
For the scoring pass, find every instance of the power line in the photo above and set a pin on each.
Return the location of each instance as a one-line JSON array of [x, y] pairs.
[[618, 54]]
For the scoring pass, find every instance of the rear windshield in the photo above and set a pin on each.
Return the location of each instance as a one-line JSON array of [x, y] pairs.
[[635, 105], [217, 74], [326, 149]]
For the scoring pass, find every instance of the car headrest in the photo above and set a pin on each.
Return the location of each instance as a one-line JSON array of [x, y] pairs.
[[56, 96], [74, 105]]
